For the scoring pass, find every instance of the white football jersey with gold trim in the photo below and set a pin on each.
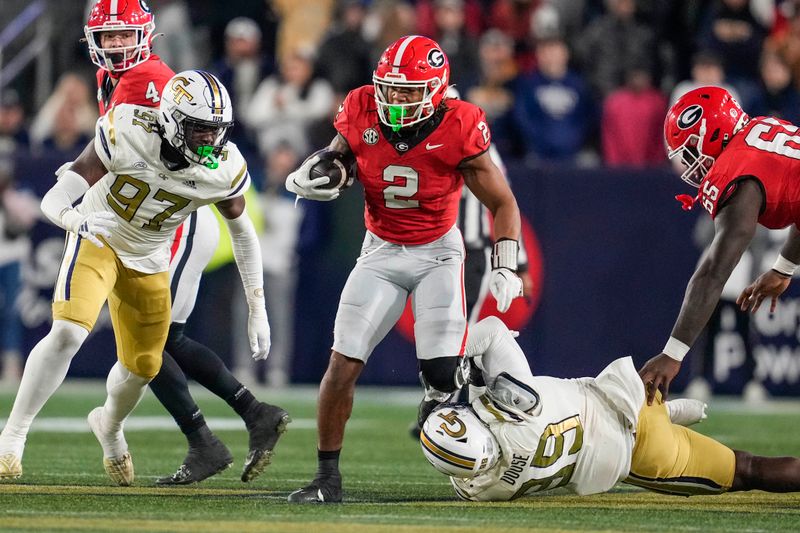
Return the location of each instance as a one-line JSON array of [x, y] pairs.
[[581, 438], [149, 200]]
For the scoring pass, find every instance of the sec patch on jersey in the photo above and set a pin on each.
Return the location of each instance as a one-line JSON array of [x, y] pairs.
[[331, 165]]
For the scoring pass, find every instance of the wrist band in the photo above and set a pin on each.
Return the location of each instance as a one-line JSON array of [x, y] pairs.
[[504, 254], [675, 349], [784, 266]]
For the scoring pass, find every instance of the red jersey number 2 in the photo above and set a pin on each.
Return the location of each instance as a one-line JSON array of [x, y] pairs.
[[405, 184]]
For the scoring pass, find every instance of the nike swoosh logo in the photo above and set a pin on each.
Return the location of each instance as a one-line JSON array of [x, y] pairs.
[[430, 146]]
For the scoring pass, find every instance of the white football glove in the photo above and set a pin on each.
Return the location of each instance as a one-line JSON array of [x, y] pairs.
[[258, 333], [300, 183], [505, 286], [90, 225]]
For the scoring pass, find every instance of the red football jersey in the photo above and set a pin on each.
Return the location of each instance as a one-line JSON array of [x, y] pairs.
[[767, 149], [140, 85], [411, 191]]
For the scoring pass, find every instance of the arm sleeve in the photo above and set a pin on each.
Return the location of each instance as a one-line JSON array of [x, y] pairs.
[[63, 195], [247, 253], [491, 340]]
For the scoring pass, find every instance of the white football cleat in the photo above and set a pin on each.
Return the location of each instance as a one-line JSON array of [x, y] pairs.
[[685, 411], [10, 467], [117, 460]]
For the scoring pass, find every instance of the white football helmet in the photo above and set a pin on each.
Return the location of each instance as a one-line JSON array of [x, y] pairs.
[[197, 116], [457, 443]]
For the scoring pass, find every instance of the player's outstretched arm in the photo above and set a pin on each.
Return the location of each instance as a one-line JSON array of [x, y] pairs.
[[71, 185], [247, 253], [489, 185], [772, 283], [735, 226]]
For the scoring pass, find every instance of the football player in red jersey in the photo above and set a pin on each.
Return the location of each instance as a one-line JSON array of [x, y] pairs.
[[746, 169], [119, 35], [413, 150]]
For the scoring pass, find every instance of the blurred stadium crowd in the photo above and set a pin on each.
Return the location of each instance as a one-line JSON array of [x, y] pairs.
[[566, 81], [580, 83]]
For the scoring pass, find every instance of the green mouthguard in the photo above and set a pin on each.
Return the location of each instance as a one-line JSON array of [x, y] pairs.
[[208, 152], [396, 114]]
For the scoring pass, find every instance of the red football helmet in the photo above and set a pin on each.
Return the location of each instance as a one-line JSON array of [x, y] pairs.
[[410, 62], [699, 126], [119, 15]]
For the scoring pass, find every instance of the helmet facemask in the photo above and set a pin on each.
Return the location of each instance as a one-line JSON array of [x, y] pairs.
[[696, 163], [200, 141], [119, 59], [401, 115]]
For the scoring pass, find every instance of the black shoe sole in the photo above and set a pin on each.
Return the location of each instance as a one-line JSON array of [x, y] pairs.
[[257, 460]]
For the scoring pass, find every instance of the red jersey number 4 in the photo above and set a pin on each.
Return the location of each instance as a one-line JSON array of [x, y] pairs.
[[152, 93]]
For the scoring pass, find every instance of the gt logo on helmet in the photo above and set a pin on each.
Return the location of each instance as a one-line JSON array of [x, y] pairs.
[[179, 85], [435, 58], [690, 116]]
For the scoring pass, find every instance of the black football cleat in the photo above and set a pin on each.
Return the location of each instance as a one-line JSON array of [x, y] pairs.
[[202, 462], [264, 428], [321, 490]]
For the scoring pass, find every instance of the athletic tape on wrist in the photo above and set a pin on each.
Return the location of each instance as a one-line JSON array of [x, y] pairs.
[[784, 266], [675, 349], [504, 254]]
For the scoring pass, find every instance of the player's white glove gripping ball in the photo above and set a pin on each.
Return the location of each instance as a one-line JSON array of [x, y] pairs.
[[505, 286], [300, 183], [89, 226], [258, 333]]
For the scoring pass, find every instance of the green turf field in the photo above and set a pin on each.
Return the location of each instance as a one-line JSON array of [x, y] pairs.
[[388, 484]]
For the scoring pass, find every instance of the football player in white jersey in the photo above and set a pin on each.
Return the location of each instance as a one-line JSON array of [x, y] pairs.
[[120, 202], [528, 434]]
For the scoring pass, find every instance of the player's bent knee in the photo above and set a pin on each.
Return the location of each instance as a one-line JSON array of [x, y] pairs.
[[441, 373], [146, 366], [175, 337], [67, 336]]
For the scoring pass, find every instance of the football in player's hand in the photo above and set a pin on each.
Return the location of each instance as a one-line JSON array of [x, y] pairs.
[[331, 166]]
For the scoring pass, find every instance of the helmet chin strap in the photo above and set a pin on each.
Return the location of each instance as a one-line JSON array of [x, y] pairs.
[[207, 152]]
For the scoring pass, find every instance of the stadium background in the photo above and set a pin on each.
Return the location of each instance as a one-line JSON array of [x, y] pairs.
[[612, 248]]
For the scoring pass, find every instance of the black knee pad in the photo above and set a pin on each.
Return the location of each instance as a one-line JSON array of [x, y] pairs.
[[442, 373]]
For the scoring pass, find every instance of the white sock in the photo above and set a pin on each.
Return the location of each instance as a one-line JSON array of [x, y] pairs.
[[45, 370], [125, 389]]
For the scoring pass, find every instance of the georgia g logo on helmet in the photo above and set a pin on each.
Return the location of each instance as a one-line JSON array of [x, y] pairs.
[[435, 58], [690, 116]]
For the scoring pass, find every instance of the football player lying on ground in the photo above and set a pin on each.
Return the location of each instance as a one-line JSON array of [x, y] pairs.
[[529, 434]]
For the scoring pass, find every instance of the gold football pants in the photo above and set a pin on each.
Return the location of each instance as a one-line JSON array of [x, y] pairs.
[[672, 459], [139, 304]]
